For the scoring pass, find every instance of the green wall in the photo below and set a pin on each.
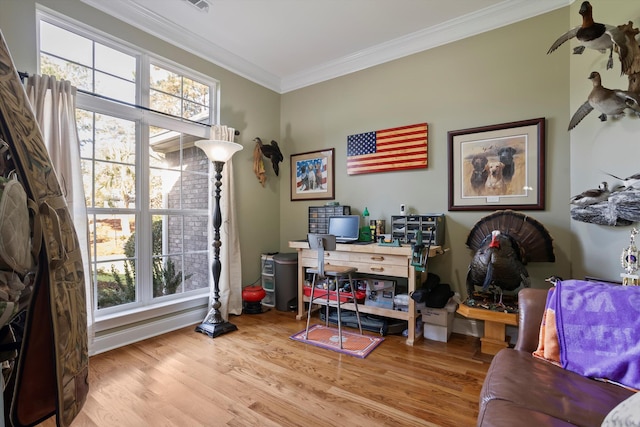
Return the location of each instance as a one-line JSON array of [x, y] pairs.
[[497, 77]]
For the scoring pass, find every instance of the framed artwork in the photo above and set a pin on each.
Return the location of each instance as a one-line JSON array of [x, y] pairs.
[[312, 175], [497, 167]]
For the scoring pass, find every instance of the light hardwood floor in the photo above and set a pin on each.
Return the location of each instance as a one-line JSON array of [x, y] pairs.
[[257, 376]]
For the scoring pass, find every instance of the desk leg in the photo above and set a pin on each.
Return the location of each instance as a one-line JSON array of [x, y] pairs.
[[302, 313], [494, 337], [412, 282]]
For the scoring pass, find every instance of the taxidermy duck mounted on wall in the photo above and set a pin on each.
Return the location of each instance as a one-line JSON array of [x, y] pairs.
[[624, 39], [596, 36], [503, 243], [592, 196], [608, 102]]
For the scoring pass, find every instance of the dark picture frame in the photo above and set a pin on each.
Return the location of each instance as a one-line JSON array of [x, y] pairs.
[[313, 175], [498, 167]]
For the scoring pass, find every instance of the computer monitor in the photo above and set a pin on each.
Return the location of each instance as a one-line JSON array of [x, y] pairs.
[[346, 228]]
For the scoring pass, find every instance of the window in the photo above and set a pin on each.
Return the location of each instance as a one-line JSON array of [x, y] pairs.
[[146, 184], [178, 95]]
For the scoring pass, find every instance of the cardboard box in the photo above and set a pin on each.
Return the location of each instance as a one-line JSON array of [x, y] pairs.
[[436, 332], [437, 323], [439, 316]]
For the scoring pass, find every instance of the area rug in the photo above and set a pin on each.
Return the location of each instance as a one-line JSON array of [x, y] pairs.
[[353, 344]]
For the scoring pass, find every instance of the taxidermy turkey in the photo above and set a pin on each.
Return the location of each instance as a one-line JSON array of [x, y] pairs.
[[503, 243]]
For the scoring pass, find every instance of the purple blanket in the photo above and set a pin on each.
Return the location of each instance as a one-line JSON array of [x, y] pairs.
[[598, 328]]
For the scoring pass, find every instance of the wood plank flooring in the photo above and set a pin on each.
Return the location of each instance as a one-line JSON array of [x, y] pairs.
[[257, 376]]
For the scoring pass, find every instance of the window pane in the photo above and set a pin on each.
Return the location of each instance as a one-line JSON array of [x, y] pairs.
[[196, 112], [174, 234], [84, 124], [195, 234], [65, 44], [115, 139], [181, 180], [113, 236], [87, 181], [199, 268], [165, 189], [165, 81], [112, 239], [195, 91], [158, 134], [196, 186], [178, 95], [115, 284], [115, 62], [115, 185], [164, 148], [115, 88], [78, 75], [180, 260], [168, 245], [166, 103], [168, 276]]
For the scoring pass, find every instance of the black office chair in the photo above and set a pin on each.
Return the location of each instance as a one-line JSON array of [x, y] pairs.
[[322, 243]]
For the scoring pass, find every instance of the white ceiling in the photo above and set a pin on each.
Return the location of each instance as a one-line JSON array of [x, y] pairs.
[[288, 44]]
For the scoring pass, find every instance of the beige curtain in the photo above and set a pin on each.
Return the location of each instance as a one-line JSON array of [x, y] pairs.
[[54, 105], [231, 275]]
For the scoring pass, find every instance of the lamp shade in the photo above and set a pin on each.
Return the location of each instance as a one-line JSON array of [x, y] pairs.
[[218, 150]]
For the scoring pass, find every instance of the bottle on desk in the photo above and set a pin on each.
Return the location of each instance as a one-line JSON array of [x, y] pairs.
[[365, 230]]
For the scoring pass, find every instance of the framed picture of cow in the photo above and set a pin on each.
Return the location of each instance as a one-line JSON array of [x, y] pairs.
[[497, 167]]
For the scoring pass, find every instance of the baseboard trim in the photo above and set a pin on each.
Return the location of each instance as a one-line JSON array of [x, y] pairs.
[[112, 339]]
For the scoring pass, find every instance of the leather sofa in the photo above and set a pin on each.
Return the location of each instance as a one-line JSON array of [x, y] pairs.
[[522, 390]]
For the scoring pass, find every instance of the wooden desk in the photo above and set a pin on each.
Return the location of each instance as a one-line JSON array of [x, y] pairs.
[[368, 259], [495, 322]]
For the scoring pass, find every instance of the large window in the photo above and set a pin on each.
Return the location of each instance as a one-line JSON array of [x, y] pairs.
[[146, 184]]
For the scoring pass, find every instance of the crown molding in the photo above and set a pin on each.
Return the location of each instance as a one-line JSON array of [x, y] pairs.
[[499, 15], [160, 27]]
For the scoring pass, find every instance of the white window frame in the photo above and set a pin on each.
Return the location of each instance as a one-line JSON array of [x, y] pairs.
[[114, 318]]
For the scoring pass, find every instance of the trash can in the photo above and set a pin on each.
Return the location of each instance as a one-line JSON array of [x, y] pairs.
[[286, 280]]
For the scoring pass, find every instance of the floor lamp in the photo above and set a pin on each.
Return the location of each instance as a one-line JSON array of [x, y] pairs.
[[218, 152]]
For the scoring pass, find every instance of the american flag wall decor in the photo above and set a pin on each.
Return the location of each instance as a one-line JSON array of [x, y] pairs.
[[388, 150]]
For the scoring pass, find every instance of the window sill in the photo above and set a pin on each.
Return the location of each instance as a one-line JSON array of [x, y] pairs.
[[122, 319]]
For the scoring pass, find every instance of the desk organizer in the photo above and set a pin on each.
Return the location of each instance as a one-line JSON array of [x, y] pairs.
[[404, 228], [319, 217]]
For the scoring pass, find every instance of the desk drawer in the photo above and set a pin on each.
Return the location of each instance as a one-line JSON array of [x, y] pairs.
[[382, 269], [366, 263], [384, 259]]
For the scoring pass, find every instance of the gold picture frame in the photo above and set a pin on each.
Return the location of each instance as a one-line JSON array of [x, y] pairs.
[[498, 167], [312, 175]]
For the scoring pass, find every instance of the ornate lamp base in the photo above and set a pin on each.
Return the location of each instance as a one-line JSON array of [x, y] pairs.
[[216, 329]]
